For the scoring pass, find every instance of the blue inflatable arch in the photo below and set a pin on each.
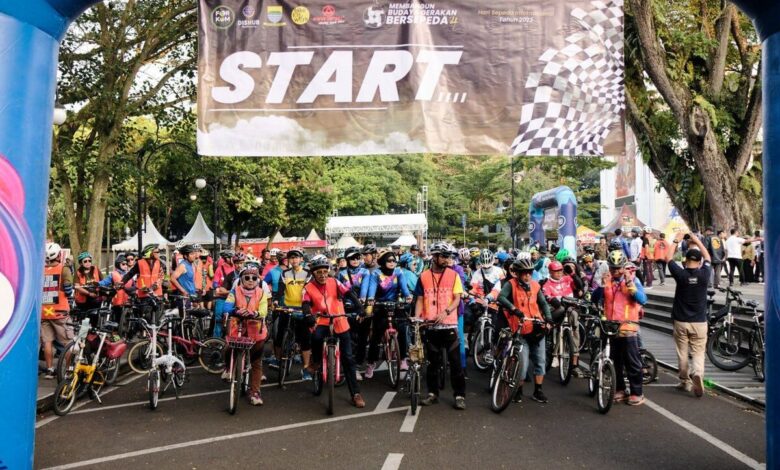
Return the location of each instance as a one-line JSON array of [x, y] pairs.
[[564, 199]]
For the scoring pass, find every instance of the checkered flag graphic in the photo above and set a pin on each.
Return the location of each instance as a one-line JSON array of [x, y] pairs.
[[579, 95]]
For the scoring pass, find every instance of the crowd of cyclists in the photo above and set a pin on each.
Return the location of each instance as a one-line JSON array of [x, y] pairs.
[[447, 287]]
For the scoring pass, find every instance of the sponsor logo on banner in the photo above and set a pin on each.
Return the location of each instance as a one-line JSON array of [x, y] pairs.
[[222, 17], [420, 13], [275, 14], [300, 15], [249, 12], [374, 16], [328, 17]]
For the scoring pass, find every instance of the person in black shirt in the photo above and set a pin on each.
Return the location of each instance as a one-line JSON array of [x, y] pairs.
[[689, 311]]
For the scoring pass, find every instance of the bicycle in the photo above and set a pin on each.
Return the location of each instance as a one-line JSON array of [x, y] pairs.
[[560, 343], [391, 352], [86, 374], [330, 371], [601, 381], [416, 362], [730, 346], [238, 363], [482, 337], [97, 318], [164, 367], [505, 378], [289, 345]]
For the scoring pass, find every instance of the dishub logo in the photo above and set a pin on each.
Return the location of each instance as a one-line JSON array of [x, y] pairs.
[[275, 15], [222, 17], [248, 11], [374, 16]]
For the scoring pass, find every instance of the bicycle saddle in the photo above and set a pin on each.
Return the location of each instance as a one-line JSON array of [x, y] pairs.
[[710, 293], [109, 327], [752, 303], [199, 313]]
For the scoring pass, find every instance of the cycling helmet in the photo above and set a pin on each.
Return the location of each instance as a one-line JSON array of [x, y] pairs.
[[562, 254], [251, 268], [524, 255], [239, 257], [150, 247], [227, 254], [616, 259], [629, 266], [197, 247], [451, 249], [522, 264], [555, 248], [395, 247], [439, 248], [383, 255], [474, 252], [569, 260], [319, 262], [179, 244], [274, 252], [185, 250], [352, 253], [250, 258], [589, 249], [53, 251], [615, 245], [369, 249], [406, 260], [486, 257], [414, 248], [464, 254], [83, 255], [502, 256], [555, 266], [587, 258], [295, 252], [119, 260], [131, 253]]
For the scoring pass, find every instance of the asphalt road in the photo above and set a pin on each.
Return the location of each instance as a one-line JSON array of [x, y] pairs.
[[672, 430]]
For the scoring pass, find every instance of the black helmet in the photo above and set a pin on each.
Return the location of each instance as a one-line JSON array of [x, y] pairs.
[[119, 260], [616, 259], [319, 262], [369, 249], [440, 248], [569, 260], [352, 252], [414, 248], [295, 252], [227, 254], [522, 264], [615, 245], [187, 249]]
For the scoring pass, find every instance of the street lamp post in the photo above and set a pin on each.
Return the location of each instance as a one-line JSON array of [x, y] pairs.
[[201, 183], [513, 222]]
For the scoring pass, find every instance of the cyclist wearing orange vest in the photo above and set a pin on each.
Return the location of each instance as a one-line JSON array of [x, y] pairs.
[[250, 298], [204, 276], [438, 294], [323, 295], [148, 272], [121, 296], [87, 274], [57, 285], [522, 297], [623, 300]]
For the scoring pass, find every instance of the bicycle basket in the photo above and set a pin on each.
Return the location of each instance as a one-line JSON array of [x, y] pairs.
[[416, 353], [240, 342]]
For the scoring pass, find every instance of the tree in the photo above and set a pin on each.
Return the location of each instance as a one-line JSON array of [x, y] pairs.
[[120, 60], [694, 101]]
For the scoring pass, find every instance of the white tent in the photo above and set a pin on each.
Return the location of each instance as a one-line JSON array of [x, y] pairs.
[[150, 235], [199, 233], [406, 239], [345, 242], [313, 236]]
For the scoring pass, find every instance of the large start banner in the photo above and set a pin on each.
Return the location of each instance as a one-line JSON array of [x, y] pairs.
[[523, 77]]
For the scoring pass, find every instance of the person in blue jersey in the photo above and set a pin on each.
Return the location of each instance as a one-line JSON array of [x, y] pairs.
[[369, 265], [387, 284]]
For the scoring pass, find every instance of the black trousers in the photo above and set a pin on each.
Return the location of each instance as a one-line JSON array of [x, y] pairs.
[[628, 362], [438, 343]]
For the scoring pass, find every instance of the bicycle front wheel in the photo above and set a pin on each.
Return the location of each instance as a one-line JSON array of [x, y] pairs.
[[414, 389], [606, 388], [211, 355], [288, 351], [112, 371], [729, 347], [65, 395], [505, 385], [331, 382], [593, 377], [236, 379], [757, 354], [567, 357], [393, 353], [154, 388], [139, 358], [67, 361], [483, 348]]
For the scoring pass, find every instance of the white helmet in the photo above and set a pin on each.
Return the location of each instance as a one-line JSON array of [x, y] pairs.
[[53, 251], [486, 257], [524, 255]]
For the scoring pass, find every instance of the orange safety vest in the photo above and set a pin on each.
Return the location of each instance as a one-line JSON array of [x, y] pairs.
[[82, 280], [620, 306], [526, 303], [54, 303], [660, 250], [327, 302], [201, 276], [251, 304], [437, 296], [121, 296], [147, 276]]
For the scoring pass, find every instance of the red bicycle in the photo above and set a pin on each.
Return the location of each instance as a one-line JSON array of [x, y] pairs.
[[329, 374], [391, 352]]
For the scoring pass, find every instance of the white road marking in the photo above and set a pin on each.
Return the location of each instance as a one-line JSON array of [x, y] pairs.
[[384, 403], [392, 462], [211, 440], [749, 461], [410, 420]]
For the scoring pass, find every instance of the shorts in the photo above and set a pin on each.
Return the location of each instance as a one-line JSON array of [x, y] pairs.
[[56, 329]]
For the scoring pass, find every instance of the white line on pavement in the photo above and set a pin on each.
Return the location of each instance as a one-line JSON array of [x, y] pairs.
[[749, 461], [211, 440], [392, 462], [384, 403], [410, 420]]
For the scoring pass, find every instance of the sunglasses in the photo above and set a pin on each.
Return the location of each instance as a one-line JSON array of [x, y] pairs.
[[391, 261], [85, 261], [556, 270], [156, 251], [249, 278], [448, 256]]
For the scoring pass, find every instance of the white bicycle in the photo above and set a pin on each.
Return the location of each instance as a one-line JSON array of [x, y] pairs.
[[165, 369]]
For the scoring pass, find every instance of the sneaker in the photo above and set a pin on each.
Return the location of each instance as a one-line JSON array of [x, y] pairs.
[[636, 400], [698, 386], [369, 371], [554, 363], [649, 288], [273, 363], [357, 400], [430, 400], [518, 398], [578, 372], [662, 284], [684, 386], [460, 403], [298, 359], [225, 375], [539, 396], [358, 376], [620, 396], [404, 365], [305, 374], [49, 374], [255, 399]]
